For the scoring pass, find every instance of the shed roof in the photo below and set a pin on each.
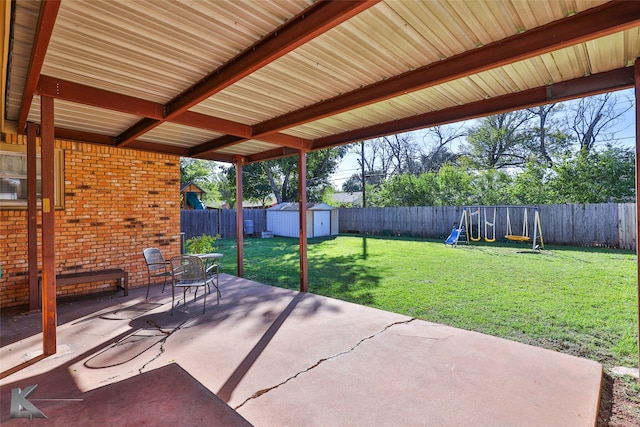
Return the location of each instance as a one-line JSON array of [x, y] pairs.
[[294, 206], [259, 80]]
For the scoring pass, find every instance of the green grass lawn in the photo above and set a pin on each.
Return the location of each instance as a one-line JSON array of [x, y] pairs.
[[581, 301]]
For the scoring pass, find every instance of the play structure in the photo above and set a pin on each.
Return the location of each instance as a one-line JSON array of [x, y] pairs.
[[469, 228], [460, 231], [524, 236], [191, 196]]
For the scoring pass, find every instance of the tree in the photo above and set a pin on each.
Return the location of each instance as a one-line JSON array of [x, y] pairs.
[[354, 183], [593, 117], [439, 151], [548, 140], [492, 187], [598, 177], [531, 186], [454, 186], [407, 190], [500, 141], [279, 177]]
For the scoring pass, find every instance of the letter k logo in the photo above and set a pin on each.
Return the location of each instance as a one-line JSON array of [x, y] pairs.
[[21, 407]]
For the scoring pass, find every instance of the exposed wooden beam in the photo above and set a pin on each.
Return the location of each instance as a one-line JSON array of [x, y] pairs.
[[595, 22], [217, 157], [314, 21], [585, 86], [215, 124], [100, 139], [276, 153], [160, 148], [87, 95], [82, 136], [288, 141], [203, 150], [44, 29], [82, 94]]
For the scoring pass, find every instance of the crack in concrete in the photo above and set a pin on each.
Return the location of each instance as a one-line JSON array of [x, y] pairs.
[[427, 338], [321, 361], [162, 341]]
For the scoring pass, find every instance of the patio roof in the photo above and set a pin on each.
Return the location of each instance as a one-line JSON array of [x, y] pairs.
[[249, 81], [261, 80]]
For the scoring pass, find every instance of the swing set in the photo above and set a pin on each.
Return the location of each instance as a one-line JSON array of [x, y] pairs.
[[470, 226], [525, 237]]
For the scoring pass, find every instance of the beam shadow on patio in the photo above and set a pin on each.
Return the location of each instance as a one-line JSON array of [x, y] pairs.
[[279, 357]]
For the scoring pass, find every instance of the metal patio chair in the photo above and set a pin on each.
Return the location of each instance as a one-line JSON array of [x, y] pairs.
[[188, 271], [156, 267]]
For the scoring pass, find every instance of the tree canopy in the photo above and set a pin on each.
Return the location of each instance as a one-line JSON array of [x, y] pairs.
[[556, 153]]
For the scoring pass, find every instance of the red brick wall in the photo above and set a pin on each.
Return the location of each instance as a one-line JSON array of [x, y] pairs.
[[117, 202]]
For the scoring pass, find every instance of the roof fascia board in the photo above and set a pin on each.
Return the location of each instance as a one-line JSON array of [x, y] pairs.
[[46, 22], [585, 86], [592, 23], [314, 21]]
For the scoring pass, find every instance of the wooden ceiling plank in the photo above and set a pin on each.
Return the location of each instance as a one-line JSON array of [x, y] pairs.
[[314, 21], [592, 23], [82, 94], [585, 86], [46, 22]]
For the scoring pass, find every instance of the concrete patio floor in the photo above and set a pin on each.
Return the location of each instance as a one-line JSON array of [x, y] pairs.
[[268, 356]]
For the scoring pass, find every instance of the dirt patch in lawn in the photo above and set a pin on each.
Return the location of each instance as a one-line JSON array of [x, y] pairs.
[[619, 402]]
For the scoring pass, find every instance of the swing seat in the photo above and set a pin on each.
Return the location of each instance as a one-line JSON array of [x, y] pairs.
[[515, 238]]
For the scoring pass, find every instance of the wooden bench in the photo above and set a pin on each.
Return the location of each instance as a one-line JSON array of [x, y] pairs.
[[93, 276]]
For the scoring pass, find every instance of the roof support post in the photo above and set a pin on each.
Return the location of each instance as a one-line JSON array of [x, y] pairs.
[[637, 94], [32, 216], [239, 161], [302, 197], [47, 142]]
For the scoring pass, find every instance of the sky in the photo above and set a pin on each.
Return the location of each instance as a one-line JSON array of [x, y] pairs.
[[624, 134]]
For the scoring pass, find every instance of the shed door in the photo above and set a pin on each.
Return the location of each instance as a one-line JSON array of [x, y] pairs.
[[321, 223]]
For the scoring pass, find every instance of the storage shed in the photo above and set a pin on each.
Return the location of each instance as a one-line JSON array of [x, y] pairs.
[[284, 220]]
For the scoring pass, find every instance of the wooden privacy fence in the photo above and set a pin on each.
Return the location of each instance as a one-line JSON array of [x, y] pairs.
[[219, 222], [608, 225]]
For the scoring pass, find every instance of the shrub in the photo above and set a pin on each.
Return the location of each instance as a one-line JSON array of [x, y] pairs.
[[201, 244]]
